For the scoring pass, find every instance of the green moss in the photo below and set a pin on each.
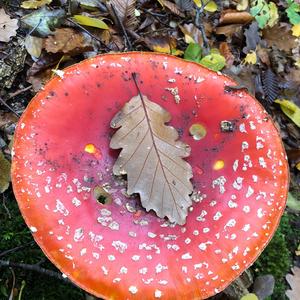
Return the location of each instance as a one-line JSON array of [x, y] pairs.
[[276, 259]]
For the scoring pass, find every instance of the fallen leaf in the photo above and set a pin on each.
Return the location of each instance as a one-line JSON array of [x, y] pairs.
[[125, 9], [273, 17], [191, 33], [261, 12], [32, 4], [280, 36], [252, 37], [4, 173], [213, 61], [296, 30], [292, 203], [270, 85], [44, 20], [210, 6], [263, 286], [251, 58], [8, 26], [242, 5], [88, 21], [193, 52], [172, 7], [291, 110], [89, 3], [34, 45], [163, 44], [249, 297], [293, 13], [294, 282], [150, 150], [263, 55], [229, 30], [231, 16], [68, 40], [226, 52]]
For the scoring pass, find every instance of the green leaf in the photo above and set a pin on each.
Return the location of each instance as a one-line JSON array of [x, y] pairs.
[[213, 61], [193, 52], [4, 173], [260, 11], [44, 21], [293, 13], [273, 14], [293, 203], [291, 110], [250, 296], [88, 21]]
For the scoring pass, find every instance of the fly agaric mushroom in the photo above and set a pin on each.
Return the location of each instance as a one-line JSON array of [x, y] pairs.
[[99, 236]]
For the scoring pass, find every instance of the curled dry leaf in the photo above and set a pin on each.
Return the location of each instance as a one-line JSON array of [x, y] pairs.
[[151, 157], [34, 45], [230, 16], [67, 40], [294, 282], [8, 26], [172, 7], [125, 9]]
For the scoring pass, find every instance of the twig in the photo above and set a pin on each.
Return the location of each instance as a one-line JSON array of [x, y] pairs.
[[89, 33], [8, 107], [35, 268], [199, 25], [120, 23], [5, 207], [16, 249], [18, 92]]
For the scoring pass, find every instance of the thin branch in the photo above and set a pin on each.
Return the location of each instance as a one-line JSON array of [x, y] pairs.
[[9, 107], [5, 207], [18, 92], [121, 25], [200, 26], [16, 249], [35, 268]]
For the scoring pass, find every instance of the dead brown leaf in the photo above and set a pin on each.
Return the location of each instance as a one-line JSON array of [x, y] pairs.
[[172, 7], [151, 157], [7, 118], [68, 40], [294, 282], [230, 16], [226, 52], [125, 9], [8, 26], [40, 79], [163, 44], [280, 35], [263, 55], [229, 30]]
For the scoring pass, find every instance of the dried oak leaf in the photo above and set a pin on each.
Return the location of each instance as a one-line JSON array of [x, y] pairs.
[[125, 9], [280, 36], [8, 26], [67, 40], [294, 282], [151, 157]]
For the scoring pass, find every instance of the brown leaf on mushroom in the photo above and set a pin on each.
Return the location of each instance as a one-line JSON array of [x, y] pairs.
[[151, 157]]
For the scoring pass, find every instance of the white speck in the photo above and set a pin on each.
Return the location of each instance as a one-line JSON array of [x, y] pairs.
[[206, 230], [143, 271], [22, 125], [133, 289], [245, 146], [202, 246], [246, 209], [116, 280], [132, 234], [96, 255], [217, 216], [172, 80], [262, 162], [186, 256], [252, 125], [163, 282], [219, 182], [159, 268], [260, 213], [78, 235], [60, 237], [249, 192], [246, 227], [59, 73], [119, 246], [76, 201], [61, 208], [235, 267], [123, 270], [187, 240], [232, 204], [255, 178], [105, 212], [135, 257], [196, 232], [157, 293], [83, 251], [111, 257], [114, 225], [238, 183], [235, 165], [242, 128], [201, 216], [230, 223], [151, 235], [105, 271], [33, 229]]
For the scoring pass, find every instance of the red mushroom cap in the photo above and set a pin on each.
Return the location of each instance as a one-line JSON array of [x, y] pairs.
[[117, 250]]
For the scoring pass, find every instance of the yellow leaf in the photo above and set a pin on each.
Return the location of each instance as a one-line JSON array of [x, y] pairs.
[[242, 5], [251, 58], [296, 30], [249, 297], [211, 6], [290, 109], [297, 63], [34, 4], [273, 14], [298, 168], [88, 21]]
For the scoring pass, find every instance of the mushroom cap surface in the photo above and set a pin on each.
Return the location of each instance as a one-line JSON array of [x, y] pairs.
[[118, 250]]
